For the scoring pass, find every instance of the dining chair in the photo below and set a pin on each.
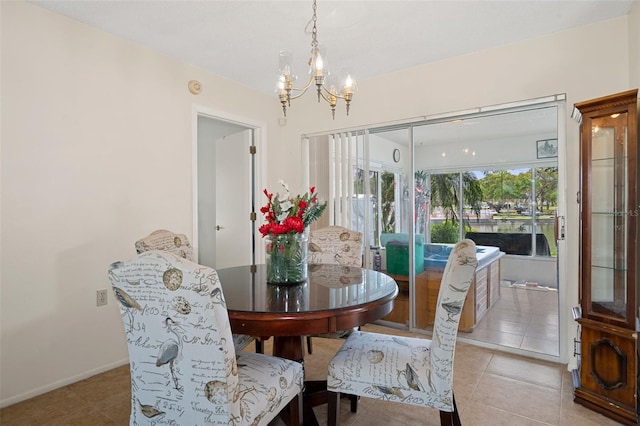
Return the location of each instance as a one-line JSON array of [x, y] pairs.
[[184, 368], [409, 370], [179, 245], [334, 245]]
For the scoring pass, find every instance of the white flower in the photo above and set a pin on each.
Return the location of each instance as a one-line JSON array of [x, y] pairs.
[[286, 188], [285, 206]]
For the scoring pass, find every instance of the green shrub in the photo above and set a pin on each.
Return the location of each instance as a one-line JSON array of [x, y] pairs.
[[445, 232]]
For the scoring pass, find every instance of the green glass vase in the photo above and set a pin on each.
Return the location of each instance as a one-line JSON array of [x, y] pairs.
[[286, 258]]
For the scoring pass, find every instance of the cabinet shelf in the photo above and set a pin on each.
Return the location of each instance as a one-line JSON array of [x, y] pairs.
[[622, 158], [609, 268], [614, 213]]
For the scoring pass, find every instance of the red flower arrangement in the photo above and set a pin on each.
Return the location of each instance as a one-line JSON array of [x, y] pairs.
[[288, 214]]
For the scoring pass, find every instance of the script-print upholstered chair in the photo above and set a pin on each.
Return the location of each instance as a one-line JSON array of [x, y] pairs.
[[409, 370], [179, 245], [334, 245], [184, 368]]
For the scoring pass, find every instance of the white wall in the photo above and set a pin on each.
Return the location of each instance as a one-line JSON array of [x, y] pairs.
[[634, 45], [480, 155], [560, 63], [381, 154], [96, 152], [519, 268]]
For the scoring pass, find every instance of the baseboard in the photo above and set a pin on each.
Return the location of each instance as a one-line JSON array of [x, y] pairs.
[[61, 383]]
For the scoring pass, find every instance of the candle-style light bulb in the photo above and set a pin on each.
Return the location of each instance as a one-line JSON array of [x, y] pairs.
[[319, 63], [348, 84]]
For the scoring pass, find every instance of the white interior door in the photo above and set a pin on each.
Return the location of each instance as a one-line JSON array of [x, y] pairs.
[[233, 178], [223, 235]]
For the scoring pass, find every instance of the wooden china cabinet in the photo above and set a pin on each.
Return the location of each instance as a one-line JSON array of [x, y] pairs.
[[607, 378]]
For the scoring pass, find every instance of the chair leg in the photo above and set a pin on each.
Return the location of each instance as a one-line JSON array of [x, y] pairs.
[[259, 346], [450, 418], [333, 408], [295, 411], [354, 403], [309, 347]]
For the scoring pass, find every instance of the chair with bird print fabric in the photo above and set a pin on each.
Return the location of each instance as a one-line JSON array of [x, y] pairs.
[[179, 244], [184, 368], [414, 371], [334, 245]]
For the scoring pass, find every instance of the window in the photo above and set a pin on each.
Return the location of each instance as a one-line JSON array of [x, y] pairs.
[[513, 209]]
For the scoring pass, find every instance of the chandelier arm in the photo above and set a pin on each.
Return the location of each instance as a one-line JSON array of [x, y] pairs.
[[328, 99], [330, 93], [303, 89]]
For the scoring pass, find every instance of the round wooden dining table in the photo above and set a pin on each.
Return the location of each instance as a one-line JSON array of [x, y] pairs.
[[334, 298]]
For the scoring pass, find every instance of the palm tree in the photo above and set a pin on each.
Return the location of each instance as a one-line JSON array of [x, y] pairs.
[[387, 199], [445, 192]]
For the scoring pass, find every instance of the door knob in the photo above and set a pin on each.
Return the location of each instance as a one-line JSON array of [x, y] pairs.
[[218, 227]]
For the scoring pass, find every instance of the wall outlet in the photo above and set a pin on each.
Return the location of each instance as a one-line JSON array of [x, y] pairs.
[[102, 297]]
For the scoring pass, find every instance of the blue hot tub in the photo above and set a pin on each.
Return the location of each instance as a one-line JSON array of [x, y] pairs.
[[436, 255]]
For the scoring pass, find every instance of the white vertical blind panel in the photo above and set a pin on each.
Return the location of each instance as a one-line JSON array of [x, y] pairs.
[[332, 167], [344, 221]]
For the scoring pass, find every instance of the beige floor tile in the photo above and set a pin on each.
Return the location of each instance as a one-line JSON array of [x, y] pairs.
[[576, 414], [465, 384], [498, 324], [545, 319], [543, 346], [480, 415], [497, 337], [85, 416], [42, 409], [117, 407], [104, 385], [540, 373], [567, 388], [547, 331], [517, 397], [469, 358], [392, 413]]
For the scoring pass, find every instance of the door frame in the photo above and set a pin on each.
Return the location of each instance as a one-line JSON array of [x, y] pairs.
[[259, 175]]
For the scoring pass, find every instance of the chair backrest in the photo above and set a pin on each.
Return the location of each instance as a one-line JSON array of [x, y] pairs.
[[335, 245], [182, 359], [164, 240], [456, 279]]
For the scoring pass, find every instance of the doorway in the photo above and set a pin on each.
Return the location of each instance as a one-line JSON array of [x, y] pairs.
[[226, 174]]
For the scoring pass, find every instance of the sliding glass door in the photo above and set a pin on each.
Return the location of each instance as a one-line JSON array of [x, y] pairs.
[[416, 189]]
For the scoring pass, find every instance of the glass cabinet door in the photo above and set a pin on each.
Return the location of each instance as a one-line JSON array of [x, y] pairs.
[[609, 208]]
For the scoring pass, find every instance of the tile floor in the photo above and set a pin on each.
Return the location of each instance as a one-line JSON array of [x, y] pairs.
[[523, 318], [492, 389]]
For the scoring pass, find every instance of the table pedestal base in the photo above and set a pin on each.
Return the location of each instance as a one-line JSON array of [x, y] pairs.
[[289, 347], [315, 391]]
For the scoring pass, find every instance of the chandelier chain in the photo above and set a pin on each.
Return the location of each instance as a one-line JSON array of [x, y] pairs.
[[314, 31]]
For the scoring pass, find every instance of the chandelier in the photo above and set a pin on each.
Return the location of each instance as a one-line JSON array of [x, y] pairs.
[[318, 75]]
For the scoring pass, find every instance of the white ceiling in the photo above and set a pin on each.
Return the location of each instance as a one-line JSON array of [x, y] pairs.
[[240, 40]]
